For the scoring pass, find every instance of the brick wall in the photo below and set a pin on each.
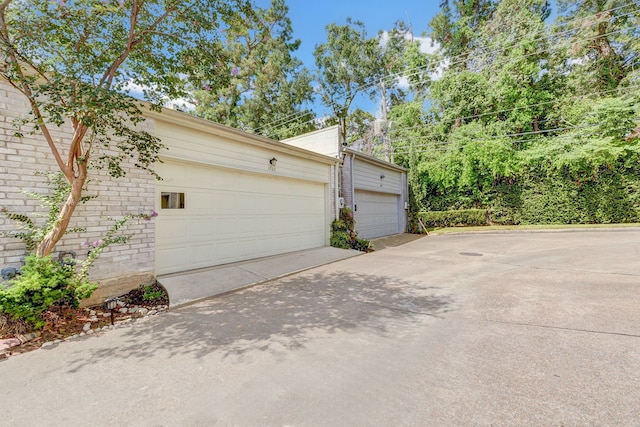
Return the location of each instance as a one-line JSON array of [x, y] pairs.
[[119, 268]]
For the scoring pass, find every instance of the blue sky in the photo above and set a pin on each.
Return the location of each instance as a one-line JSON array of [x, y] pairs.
[[310, 17]]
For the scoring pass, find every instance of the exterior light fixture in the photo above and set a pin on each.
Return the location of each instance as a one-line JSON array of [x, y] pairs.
[[111, 304], [273, 162], [382, 176]]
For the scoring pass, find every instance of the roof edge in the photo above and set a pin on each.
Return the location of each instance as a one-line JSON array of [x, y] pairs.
[[374, 160], [172, 116]]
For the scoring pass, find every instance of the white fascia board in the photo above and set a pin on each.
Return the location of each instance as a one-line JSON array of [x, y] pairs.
[[170, 116], [374, 160]]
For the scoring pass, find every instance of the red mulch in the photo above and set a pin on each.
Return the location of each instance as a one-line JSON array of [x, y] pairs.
[[63, 322]]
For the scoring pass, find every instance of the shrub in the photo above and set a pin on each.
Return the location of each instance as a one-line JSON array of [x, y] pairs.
[[152, 293], [340, 239], [344, 236], [363, 245], [454, 218], [42, 283]]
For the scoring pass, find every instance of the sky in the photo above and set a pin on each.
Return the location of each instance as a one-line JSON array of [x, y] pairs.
[[310, 17]]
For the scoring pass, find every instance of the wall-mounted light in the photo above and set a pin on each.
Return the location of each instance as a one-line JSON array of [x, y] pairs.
[[381, 176], [273, 162]]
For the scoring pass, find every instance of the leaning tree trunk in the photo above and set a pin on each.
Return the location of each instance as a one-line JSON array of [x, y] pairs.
[[47, 244]]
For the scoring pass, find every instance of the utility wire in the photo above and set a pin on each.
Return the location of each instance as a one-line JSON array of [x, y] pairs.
[[391, 78], [446, 145], [504, 63]]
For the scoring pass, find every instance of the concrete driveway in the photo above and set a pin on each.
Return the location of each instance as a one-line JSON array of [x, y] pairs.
[[533, 329]]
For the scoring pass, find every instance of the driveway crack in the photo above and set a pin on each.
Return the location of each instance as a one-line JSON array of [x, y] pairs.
[[562, 328], [535, 267]]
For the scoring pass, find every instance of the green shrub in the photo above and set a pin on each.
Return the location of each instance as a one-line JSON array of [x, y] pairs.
[[152, 294], [613, 196], [344, 236], [363, 245], [454, 218], [43, 283], [340, 239]]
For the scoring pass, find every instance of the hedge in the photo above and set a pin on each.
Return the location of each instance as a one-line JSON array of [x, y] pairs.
[[453, 218]]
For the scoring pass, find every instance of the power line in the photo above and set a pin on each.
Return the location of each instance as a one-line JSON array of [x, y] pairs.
[[494, 62], [287, 119], [448, 145]]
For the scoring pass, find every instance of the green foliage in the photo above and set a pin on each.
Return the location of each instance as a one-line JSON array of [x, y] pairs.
[[76, 62], [455, 29], [340, 239], [112, 237], [605, 34], [613, 196], [534, 123], [42, 283], [349, 63], [254, 83], [453, 218], [152, 294], [347, 217], [29, 230], [363, 245], [344, 236]]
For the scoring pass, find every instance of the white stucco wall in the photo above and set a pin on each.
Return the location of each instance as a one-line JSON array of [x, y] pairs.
[[324, 141]]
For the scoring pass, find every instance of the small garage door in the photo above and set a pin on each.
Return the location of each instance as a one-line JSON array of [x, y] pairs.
[[210, 216], [376, 214]]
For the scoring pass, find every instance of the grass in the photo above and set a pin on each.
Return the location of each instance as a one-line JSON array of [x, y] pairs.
[[542, 227]]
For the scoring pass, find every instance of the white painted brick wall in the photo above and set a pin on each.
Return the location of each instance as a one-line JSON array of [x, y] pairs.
[[21, 157]]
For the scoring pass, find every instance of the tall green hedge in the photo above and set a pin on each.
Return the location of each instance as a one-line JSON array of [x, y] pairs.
[[453, 218], [611, 197]]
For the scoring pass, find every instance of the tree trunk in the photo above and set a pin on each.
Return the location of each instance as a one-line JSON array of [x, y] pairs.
[[47, 244]]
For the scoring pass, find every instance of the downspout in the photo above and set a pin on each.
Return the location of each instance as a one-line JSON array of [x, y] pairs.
[[336, 175], [353, 190]]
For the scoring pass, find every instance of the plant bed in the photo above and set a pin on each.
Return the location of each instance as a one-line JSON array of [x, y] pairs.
[[64, 323]]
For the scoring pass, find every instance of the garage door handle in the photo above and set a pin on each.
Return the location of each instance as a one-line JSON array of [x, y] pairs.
[[355, 208]]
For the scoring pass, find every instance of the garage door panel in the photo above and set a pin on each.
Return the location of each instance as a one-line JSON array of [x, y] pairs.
[[377, 214], [171, 259], [231, 216], [174, 231]]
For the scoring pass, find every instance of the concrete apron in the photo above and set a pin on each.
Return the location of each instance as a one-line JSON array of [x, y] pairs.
[[192, 286]]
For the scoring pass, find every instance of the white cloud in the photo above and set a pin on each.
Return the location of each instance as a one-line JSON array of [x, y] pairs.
[[427, 45], [137, 91]]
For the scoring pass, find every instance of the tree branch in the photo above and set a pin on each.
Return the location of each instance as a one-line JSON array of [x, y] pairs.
[[22, 85]]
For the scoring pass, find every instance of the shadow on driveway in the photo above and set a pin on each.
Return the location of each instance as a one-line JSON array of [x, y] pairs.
[[277, 316]]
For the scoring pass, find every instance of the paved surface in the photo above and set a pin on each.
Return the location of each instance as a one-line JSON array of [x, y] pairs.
[[536, 329], [189, 287], [186, 288]]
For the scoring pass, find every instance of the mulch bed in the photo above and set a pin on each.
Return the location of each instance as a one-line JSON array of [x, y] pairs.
[[63, 322]]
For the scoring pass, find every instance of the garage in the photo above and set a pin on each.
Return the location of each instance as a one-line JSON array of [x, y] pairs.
[[375, 190], [379, 192], [227, 197], [376, 214]]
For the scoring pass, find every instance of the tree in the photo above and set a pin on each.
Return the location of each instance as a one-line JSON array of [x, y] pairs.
[[360, 131], [75, 61], [514, 63], [456, 28], [348, 64], [254, 83], [601, 37]]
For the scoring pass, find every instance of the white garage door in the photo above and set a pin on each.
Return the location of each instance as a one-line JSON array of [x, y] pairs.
[[210, 216], [376, 214]]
